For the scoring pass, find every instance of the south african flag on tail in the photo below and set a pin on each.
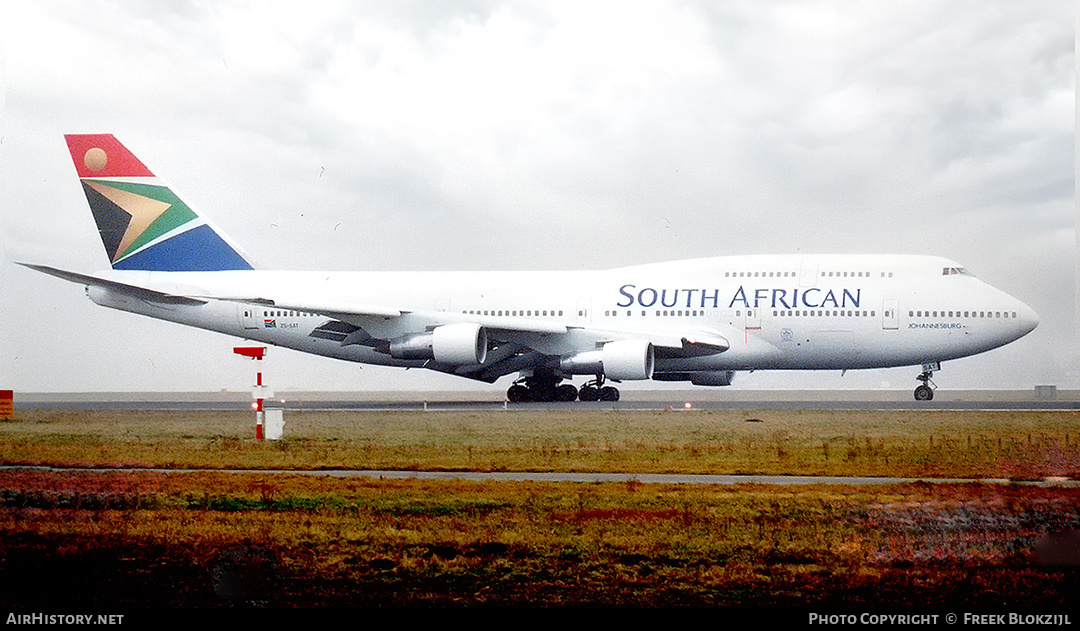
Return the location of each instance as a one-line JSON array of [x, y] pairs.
[[144, 225]]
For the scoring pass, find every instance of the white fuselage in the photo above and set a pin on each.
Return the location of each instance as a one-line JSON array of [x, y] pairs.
[[776, 312]]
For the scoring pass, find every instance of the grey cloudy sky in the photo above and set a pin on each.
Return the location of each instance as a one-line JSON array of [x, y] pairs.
[[538, 135]]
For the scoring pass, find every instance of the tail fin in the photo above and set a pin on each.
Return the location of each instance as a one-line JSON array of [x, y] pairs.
[[143, 224]]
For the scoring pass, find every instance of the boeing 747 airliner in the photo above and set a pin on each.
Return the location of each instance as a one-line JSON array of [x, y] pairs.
[[698, 321]]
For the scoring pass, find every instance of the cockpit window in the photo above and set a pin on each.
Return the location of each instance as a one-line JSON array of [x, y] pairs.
[[949, 271]]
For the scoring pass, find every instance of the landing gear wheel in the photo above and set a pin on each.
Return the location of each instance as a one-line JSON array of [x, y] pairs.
[[596, 391], [517, 393], [566, 392], [925, 392], [609, 393], [541, 388], [543, 392], [588, 393]]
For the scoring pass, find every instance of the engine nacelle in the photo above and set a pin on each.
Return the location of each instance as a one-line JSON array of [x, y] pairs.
[[619, 361], [460, 344], [452, 344]]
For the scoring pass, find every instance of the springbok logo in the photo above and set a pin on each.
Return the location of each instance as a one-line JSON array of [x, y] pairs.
[[142, 223], [129, 216]]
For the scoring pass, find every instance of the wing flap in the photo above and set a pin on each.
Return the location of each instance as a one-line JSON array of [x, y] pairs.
[[547, 337], [698, 344]]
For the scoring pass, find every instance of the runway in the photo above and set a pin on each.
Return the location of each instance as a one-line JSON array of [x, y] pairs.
[[367, 403], [473, 406], [580, 477]]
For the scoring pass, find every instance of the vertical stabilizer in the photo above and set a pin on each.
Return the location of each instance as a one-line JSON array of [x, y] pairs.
[[143, 224]]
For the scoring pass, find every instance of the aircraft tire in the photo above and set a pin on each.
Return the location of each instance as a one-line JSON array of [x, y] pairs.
[[609, 393], [924, 393], [588, 393], [566, 392], [517, 393]]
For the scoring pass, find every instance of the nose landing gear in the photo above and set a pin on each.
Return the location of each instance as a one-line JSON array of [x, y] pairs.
[[925, 392]]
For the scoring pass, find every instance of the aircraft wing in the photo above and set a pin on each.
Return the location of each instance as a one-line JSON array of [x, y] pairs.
[[387, 322], [380, 321], [516, 342], [545, 336], [522, 346]]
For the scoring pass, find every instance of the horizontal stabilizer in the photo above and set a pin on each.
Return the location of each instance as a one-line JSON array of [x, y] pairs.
[[141, 293]]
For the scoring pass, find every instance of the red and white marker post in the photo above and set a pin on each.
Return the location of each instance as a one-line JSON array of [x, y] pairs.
[[260, 392]]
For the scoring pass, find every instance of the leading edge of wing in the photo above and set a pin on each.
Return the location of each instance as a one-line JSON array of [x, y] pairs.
[[517, 329], [361, 314], [674, 342]]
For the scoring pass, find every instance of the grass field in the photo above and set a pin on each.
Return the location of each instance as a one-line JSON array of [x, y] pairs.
[[74, 538], [1008, 444]]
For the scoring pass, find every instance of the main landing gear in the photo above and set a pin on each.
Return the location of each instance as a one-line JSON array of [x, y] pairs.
[[595, 390], [925, 392], [546, 388], [541, 388]]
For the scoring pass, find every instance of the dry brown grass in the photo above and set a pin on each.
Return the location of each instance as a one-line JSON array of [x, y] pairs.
[[318, 541], [1007, 444], [142, 538]]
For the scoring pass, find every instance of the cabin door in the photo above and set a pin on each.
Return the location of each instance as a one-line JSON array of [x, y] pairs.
[[583, 308], [753, 319], [248, 316], [890, 318]]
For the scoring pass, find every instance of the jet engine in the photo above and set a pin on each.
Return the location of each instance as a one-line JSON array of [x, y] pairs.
[[620, 360], [452, 344]]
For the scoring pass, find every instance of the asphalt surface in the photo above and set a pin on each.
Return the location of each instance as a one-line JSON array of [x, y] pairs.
[[490, 406], [587, 478]]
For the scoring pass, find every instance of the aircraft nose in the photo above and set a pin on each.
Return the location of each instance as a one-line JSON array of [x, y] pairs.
[[1028, 319]]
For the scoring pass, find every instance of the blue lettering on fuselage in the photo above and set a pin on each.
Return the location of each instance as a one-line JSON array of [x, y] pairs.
[[674, 298], [740, 296], [774, 297]]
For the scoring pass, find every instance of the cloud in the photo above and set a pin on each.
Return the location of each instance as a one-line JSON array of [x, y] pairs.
[[486, 135]]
